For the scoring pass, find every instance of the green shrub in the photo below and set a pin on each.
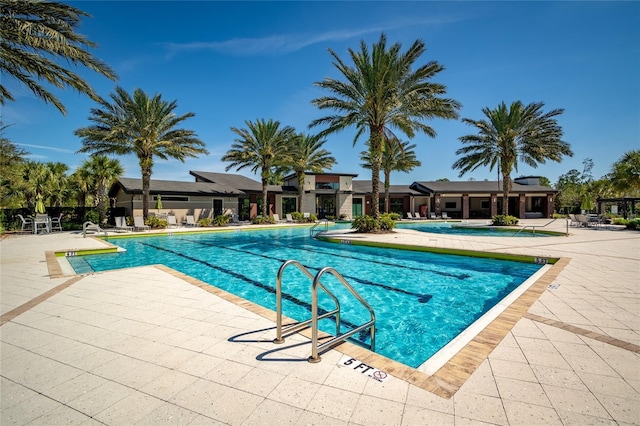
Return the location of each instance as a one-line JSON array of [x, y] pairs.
[[299, 217], [92, 216], [205, 221], [628, 223], [395, 216], [502, 220], [221, 220], [259, 220], [367, 224], [156, 223]]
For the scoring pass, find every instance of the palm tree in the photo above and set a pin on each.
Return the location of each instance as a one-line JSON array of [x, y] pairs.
[[397, 156], [83, 183], [34, 37], [519, 132], [382, 92], [58, 185], [103, 171], [625, 173], [307, 154], [140, 125], [36, 181], [261, 146]]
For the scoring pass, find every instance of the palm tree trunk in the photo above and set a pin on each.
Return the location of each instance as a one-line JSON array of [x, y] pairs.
[[506, 188], [145, 166], [265, 199], [301, 176], [387, 185], [376, 149]]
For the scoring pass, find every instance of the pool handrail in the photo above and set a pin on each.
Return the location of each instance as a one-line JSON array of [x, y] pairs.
[[291, 328], [313, 228], [371, 324], [540, 226], [313, 322]]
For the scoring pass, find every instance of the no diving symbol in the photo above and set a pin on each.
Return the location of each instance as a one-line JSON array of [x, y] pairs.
[[379, 375]]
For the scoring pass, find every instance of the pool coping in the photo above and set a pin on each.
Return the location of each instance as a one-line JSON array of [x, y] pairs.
[[447, 380]]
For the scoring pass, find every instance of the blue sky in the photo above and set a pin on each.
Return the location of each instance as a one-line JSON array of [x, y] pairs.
[[229, 62]]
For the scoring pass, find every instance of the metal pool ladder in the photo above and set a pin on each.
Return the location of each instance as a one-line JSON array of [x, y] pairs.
[[313, 228], [313, 322]]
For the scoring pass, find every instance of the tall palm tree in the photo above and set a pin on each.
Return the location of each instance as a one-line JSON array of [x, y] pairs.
[[307, 154], [103, 171], [36, 181], [261, 146], [382, 92], [397, 156], [83, 183], [518, 132], [35, 37], [58, 186], [141, 125]]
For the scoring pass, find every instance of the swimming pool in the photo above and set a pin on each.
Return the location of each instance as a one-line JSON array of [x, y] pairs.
[[456, 228], [422, 300]]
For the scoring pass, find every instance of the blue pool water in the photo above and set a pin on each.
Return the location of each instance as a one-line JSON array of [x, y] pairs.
[[421, 300], [455, 228]]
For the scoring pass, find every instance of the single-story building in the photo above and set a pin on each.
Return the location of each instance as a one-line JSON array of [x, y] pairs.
[[333, 195]]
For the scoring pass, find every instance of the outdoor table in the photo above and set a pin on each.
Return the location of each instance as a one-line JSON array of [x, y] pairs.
[[43, 223]]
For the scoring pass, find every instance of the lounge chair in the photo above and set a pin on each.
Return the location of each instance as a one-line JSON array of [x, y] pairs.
[[409, 216], [445, 215], [289, 217], [582, 220], [191, 221], [27, 224], [416, 215], [90, 228], [121, 224], [276, 218], [171, 221], [573, 221], [432, 215], [138, 224]]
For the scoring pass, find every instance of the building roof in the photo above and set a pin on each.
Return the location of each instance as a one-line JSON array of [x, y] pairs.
[[241, 183], [471, 187], [131, 185], [364, 187]]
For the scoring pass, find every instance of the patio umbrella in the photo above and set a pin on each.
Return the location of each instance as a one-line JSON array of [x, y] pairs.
[[159, 202], [40, 205]]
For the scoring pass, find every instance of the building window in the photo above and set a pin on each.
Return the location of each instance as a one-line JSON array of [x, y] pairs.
[[328, 185], [289, 205], [484, 204], [450, 205], [171, 198]]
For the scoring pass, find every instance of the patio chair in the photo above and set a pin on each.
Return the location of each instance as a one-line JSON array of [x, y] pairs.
[[409, 216], [56, 222], [138, 224], [582, 220], [432, 215], [573, 221], [289, 218], [121, 224], [276, 217], [445, 215], [27, 224], [191, 221], [416, 215], [171, 221]]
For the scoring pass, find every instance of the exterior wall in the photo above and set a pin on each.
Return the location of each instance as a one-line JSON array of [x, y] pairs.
[[308, 203], [344, 205], [346, 184]]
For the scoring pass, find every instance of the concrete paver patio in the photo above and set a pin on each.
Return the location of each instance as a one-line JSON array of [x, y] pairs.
[[147, 346]]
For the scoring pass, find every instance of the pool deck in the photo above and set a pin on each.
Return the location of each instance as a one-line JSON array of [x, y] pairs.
[[150, 346]]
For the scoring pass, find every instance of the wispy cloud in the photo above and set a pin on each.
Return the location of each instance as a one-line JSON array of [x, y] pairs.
[[287, 43], [50, 148]]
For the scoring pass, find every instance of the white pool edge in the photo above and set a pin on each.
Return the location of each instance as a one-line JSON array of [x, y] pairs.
[[440, 358]]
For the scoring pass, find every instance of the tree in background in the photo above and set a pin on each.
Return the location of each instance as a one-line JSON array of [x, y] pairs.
[[307, 155], [262, 146], [58, 187], [141, 125], [11, 164], [518, 132], [397, 156], [35, 37], [625, 174], [381, 92], [100, 172]]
